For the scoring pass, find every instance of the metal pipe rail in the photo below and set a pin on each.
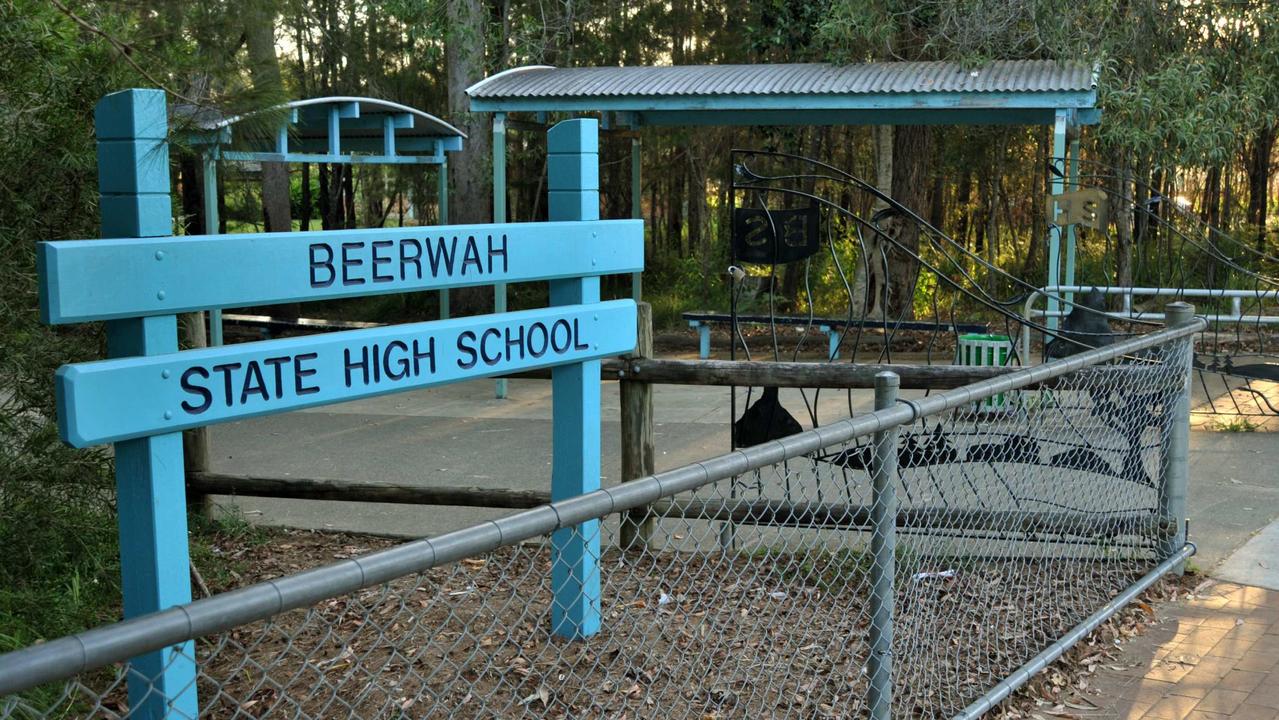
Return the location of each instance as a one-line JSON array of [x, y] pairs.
[[1023, 674], [69, 656], [1236, 304]]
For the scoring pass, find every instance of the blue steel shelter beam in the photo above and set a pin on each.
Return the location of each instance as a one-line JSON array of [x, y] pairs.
[[991, 101], [819, 116]]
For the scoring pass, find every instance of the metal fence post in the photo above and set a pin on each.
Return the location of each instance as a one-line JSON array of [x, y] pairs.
[[573, 185], [133, 180], [883, 542], [1175, 461]]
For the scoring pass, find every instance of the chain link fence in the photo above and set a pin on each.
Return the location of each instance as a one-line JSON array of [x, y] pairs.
[[919, 555]]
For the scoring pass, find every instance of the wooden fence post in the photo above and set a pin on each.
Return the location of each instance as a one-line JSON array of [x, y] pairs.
[[195, 442], [638, 450], [573, 185], [133, 180]]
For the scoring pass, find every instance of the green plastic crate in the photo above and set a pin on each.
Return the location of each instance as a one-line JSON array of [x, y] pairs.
[[980, 350]]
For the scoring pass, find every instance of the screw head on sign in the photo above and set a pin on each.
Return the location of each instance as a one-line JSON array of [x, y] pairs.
[[159, 295], [159, 254], [165, 374], [168, 414]]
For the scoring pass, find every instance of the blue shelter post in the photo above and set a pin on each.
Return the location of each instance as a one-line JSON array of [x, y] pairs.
[[573, 184], [442, 186], [209, 161], [499, 213], [1055, 231], [1072, 176], [637, 282], [133, 179]]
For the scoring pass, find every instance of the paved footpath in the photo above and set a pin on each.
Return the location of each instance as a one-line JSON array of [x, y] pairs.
[[1213, 655]]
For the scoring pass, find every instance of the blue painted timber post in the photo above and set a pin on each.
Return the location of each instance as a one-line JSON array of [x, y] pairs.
[[499, 215], [442, 186], [573, 184], [133, 180], [1072, 177]]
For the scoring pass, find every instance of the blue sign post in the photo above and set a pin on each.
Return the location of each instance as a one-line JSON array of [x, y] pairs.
[[572, 150], [133, 180], [148, 392]]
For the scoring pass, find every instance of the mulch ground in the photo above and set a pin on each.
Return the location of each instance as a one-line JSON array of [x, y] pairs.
[[685, 635]]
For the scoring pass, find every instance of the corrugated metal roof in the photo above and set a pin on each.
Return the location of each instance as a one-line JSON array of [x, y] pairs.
[[424, 124], [786, 79]]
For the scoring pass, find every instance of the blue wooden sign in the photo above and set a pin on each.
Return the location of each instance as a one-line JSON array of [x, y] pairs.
[[112, 400], [131, 277], [147, 392]]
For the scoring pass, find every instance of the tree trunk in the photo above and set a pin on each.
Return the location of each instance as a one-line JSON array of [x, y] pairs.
[[870, 277], [696, 211], [325, 207], [192, 194], [1122, 212], [305, 220], [962, 196], [471, 194], [348, 197], [1140, 220], [912, 157], [1258, 169], [264, 68], [1209, 212]]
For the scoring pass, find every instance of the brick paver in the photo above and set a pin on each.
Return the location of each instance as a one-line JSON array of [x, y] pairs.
[[1214, 655]]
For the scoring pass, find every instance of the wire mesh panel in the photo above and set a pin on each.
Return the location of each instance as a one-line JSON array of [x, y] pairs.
[[749, 594]]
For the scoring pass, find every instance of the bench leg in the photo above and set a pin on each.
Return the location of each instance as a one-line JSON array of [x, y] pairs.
[[833, 348], [704, 342]]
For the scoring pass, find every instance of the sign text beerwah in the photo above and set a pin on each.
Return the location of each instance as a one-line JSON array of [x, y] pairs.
[[118, 399], [360, 262]]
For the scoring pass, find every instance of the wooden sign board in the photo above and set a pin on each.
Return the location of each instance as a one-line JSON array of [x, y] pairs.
[[113, 400], [133, 277]]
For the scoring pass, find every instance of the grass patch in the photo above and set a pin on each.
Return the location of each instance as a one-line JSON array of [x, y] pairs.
[[1236, 425]]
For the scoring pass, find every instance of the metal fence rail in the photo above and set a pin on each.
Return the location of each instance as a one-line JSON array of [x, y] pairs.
[[908, 559]]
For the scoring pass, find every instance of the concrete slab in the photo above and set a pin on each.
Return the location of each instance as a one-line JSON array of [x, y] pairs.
[[1256, 563], [461, 435], [1234, 491]]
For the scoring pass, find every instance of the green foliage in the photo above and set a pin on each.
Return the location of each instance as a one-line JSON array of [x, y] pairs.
[[677, 285], [57, 524], [967, 31], [1240, 424]]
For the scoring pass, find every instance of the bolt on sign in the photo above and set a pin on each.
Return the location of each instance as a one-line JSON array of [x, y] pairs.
[[140, 398]]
